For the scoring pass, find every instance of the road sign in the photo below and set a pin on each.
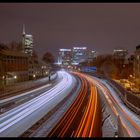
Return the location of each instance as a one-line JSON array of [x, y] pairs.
[[89, 69]]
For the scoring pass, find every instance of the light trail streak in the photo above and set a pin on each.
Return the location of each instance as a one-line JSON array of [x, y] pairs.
[[95, 111], [34, 102], [108, 97], [83, 120], [31, 111], [71, 113], [86, 126], [88, 120], [105, 90], [88, 123]]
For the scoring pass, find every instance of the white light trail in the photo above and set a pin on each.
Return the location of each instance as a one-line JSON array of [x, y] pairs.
[[19, 119]]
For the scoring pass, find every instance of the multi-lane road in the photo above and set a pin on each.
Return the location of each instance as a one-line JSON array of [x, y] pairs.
[[83, 116], [17, 120], [125, 119], [79, 123]]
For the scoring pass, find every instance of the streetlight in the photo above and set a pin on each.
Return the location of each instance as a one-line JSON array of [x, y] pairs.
[[15, 77], [34, 76], [46, 72]]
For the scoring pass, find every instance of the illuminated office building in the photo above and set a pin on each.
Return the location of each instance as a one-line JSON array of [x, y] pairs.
[[27, 42], [92, 54], [65, 57], [79, 55]]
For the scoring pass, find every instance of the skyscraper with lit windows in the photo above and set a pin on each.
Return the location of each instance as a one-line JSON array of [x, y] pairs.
[[27, 42], [79, 55], [65, 57]]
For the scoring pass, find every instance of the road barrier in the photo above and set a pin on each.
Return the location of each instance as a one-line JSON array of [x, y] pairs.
[[122, 131], [130, 99]]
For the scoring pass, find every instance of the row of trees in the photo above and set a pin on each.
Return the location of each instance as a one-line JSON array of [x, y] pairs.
[[111, 67], [48, 58]]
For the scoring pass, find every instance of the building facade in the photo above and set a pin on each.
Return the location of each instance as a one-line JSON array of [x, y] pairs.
[[37, 68], [65, 57], [75, 56], [20, 65], [120, 53], [14, 67], [119, 56], [79, 54], [92, 54]]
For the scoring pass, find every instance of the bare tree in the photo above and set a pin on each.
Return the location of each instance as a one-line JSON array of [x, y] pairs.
[[48, 58], [3, 46]]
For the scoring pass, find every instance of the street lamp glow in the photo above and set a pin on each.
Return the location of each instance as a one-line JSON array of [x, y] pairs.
[[15, 77], [34, 75]]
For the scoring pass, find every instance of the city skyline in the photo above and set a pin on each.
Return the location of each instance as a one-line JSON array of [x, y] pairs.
[[70, 70], [100, 26]]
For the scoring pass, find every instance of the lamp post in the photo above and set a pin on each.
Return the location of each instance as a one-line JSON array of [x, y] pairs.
[[34, 76], [15, 77]]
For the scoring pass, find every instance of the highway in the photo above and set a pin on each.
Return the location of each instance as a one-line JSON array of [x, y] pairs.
[[129, 121], [24, 96], [17, 120], [18, 88], [83, 118]]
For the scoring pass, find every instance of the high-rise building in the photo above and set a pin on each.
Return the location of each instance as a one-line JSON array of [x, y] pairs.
[[65, 57], [79, 55], [92, 54], [120, 53], [119, 57], [27, 42]]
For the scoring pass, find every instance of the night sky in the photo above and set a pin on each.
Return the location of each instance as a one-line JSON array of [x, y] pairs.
[[99, 26]]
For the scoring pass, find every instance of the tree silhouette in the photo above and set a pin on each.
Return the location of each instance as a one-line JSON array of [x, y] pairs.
[[3, 46], [48, 58]]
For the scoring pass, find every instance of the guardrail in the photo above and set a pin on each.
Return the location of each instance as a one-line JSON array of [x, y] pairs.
[[122, 132], [130, 99]]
